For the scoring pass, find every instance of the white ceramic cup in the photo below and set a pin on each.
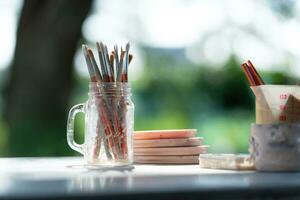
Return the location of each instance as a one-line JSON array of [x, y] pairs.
[[275, 147]]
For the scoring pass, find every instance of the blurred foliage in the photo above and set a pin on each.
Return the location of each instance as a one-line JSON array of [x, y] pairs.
[[216, 101], [284, 8], [174, 93]]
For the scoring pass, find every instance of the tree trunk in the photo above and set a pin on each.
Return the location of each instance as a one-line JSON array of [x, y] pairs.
[[41, 76]]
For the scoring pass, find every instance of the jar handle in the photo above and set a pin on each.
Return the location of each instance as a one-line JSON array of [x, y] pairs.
[[79, 108]]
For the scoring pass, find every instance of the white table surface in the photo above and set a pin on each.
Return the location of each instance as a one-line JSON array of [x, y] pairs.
[[53, 167], [67, 177]]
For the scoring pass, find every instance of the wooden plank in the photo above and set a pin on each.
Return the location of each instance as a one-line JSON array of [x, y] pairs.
[[167, 159], [171, 150], [164, 134], [178, 142]]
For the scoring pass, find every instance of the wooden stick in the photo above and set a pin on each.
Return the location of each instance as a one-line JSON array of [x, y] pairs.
[[102, 62], [251, 74], [261, 82], [117, 62], [248, 74], [125, 76], [111, 64], [121, 67], [89, 64], [94, 65]]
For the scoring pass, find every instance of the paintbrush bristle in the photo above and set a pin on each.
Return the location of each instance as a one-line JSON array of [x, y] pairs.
[[112, 67], [94, 64]]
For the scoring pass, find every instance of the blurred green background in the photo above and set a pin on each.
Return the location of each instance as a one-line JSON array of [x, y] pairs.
[[185, 71]]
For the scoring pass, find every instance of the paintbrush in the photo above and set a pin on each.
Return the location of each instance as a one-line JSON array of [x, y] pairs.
[[94, 65], [125, 75], [89, 64], [111, 64], [103, 63], [121, 66]]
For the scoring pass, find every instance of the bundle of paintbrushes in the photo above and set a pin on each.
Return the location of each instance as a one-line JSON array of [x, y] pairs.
[[274, 103], [112, 68], [110, 95], [251, 74]]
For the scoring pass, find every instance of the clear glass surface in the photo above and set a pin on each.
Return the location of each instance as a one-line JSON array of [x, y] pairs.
[[109, 119]]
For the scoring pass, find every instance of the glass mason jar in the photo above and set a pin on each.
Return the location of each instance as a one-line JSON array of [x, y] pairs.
[[109, 120]]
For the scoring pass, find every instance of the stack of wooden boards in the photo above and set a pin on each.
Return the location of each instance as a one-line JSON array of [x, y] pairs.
[[168, 146]]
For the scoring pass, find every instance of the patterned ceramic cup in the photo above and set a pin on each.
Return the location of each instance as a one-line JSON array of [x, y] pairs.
[[275, 147]]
